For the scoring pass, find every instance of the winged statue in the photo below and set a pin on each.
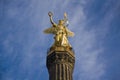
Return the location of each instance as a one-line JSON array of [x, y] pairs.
[[60, 31]]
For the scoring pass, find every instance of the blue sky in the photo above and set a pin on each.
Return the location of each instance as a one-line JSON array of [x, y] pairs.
[[23, 45]]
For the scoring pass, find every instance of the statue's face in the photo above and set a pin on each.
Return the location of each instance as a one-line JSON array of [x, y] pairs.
[[61, 22]]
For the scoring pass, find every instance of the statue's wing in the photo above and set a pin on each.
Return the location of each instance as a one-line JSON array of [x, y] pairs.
[[70, 33], [50, 30]]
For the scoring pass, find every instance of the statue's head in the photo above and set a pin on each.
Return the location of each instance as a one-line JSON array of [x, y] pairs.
[[61, 22]]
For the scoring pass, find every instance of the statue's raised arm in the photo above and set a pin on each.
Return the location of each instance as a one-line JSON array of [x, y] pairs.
[[51, 30], [51, 19], [66, 22]]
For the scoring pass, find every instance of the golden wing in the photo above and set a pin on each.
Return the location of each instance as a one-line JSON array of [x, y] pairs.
[[50, 30], [69, 33]]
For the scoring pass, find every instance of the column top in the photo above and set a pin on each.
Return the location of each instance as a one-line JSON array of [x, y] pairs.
[[61, 49]]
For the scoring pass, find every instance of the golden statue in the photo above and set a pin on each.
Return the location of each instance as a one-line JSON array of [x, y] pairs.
[[60, 31]]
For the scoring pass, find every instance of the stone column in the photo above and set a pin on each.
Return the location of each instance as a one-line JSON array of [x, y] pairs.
[[60, 63]]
